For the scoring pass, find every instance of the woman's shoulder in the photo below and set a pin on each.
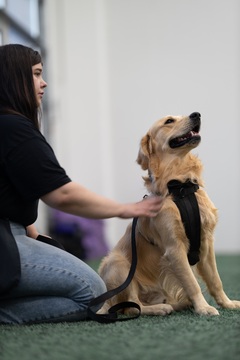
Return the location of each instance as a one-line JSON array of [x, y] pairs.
[[16, 129], [10, 120], [17, 124]]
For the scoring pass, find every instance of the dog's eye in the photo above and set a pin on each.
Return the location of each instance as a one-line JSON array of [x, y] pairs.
[[169, 121]]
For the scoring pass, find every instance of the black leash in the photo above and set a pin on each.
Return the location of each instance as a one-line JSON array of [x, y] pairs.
[[185, 199], [112, 315]]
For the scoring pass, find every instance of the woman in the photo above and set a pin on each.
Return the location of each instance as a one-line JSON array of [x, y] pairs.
[[40, 282]]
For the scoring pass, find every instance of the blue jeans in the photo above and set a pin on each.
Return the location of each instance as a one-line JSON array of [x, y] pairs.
[[55, 286]]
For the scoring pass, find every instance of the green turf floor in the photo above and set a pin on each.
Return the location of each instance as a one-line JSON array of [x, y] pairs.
[[179, 336]]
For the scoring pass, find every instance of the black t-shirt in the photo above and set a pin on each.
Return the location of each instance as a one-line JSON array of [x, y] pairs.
[[28, 169]]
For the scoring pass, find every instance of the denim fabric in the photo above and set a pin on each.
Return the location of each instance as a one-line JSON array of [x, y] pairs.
[[55, 286]]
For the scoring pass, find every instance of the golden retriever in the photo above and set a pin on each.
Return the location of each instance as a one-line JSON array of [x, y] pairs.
[[164, 281]]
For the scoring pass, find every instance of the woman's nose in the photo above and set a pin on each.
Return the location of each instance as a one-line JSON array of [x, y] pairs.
[[44, 84]]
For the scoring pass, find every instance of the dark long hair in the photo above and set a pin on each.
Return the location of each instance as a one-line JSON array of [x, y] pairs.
[[17, 93]]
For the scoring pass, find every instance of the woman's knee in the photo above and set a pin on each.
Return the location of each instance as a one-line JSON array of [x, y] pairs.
[[91, 287]]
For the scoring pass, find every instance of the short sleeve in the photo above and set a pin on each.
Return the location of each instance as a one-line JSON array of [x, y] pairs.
[[34, 169]]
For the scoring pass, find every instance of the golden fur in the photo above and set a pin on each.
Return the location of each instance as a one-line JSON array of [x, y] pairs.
[[164, 281]]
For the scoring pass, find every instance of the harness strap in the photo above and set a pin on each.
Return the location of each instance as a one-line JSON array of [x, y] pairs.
[[112, 315], [185, 199]]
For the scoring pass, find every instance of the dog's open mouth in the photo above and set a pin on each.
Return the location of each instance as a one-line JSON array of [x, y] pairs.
[[192, 137]]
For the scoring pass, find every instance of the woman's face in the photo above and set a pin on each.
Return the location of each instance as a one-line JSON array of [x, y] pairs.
[[39, 83]]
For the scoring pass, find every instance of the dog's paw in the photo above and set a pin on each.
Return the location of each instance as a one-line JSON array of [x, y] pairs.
[[157, 309], [165, 309], [103, 310], [232, 304], [207, 310]]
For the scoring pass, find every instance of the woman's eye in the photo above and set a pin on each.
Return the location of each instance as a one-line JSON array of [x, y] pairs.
[[169, 121]]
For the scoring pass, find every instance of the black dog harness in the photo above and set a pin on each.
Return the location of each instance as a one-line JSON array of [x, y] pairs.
[[185, 199]]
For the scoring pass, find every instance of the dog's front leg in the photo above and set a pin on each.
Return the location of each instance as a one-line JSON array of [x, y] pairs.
[[183, 272], [207, 268]]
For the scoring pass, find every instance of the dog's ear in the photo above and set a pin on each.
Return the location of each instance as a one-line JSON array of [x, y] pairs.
[[145, 152]]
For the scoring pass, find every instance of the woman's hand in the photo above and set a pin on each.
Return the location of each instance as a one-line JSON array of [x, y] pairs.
[[149, 207], [32, 231]]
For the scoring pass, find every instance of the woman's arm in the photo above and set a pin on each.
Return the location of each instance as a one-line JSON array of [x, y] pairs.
[[75, 199]]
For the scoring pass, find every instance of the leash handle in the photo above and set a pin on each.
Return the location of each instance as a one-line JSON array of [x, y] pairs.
[[112, 315]]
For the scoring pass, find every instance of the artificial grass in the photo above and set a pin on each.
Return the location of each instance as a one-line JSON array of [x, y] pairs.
[[179, 336]]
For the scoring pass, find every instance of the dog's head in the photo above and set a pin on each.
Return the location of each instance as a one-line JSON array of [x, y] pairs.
[[170, 136]]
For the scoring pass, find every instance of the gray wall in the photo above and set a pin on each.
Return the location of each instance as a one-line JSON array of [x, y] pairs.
[[116, 66]]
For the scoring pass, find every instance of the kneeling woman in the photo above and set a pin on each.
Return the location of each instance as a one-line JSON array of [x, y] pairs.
[[40, 282]]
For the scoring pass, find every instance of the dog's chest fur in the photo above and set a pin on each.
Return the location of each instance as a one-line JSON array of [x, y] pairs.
[[157, 229]]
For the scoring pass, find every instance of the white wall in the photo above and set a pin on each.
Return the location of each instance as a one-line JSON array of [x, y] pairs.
[[116, 66]]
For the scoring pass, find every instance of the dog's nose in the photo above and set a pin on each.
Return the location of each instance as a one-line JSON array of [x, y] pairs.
[[195, 116]]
